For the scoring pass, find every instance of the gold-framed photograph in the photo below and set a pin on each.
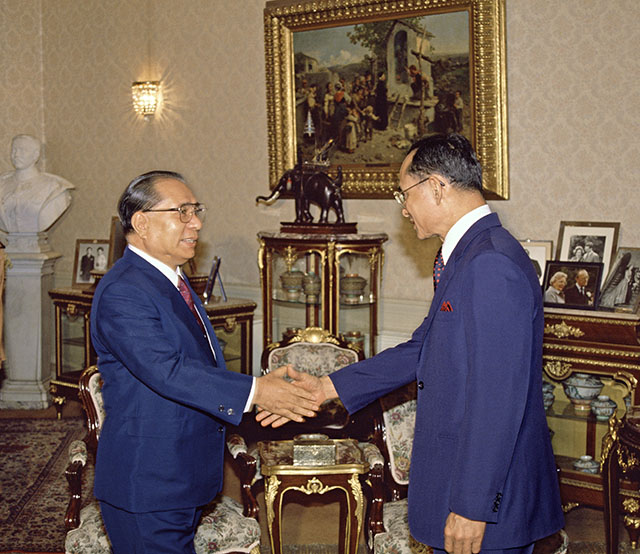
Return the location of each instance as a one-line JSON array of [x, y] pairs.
[[351, 84], [621, 290], [540, 252], [91, 255]]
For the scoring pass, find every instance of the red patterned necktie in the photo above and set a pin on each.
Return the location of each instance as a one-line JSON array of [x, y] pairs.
[[438, 266], [186, 294]]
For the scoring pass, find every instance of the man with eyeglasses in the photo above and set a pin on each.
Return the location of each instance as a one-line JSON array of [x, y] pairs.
[[167, 393], [483, 474]]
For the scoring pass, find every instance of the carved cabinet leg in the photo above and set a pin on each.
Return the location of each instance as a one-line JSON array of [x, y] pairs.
[[631, 520]]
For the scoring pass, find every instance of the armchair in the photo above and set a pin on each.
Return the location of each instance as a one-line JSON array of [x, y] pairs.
[[223, 527], [388, 523]]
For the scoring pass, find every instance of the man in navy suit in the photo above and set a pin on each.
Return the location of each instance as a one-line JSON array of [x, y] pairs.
[[483, 473], [167, 392]]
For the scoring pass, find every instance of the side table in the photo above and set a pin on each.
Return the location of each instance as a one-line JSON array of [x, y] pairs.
[[281, 475]]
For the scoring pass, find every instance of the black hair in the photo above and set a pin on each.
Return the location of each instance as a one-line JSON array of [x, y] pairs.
[[451, 156], [141, 194]]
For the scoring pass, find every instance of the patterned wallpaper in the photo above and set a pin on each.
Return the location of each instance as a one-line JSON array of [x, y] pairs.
[[573, 119]]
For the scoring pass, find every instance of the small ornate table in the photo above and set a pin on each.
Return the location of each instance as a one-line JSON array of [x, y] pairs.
[[281, 476]]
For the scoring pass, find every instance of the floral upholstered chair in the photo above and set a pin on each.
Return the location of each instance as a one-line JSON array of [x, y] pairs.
[[388, 523], [222, 529]]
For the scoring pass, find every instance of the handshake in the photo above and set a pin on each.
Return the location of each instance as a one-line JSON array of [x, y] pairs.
[[280, 400]]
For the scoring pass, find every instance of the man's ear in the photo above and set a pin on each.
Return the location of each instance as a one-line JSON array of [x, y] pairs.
[[437, 189], [140, 224]]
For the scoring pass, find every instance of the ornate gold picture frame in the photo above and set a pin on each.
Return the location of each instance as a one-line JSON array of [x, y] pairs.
[[299, 36]]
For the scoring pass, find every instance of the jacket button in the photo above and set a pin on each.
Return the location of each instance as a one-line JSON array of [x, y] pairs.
[[230, 411], [220, 429], [420, 385], [221, 408]]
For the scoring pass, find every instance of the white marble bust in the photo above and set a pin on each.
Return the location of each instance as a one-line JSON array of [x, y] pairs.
[[30, 200]]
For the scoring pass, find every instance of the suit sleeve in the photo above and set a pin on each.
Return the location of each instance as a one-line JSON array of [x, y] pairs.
[[361, 383], [498, 313], [130, 327]]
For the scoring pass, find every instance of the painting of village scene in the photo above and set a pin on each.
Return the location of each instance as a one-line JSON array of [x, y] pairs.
[[365, 92]]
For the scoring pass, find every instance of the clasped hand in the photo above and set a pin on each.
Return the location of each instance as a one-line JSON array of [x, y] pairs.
[[283, 400], [314, 389]]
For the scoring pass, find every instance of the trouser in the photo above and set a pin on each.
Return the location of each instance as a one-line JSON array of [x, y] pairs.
[[166, 532]]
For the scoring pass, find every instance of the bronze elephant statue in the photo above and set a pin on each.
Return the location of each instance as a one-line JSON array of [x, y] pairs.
[[310, 187]]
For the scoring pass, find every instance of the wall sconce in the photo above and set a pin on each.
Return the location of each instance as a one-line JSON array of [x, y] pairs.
[[145, 97]]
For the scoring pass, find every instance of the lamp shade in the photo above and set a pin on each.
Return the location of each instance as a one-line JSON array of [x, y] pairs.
[[145, 97]]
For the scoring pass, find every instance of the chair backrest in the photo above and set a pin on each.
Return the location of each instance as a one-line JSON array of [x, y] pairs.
[[316, 351], [90, 392], [312, 350], [399, 418]]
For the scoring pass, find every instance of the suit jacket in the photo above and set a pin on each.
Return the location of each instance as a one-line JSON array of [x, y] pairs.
[[162, 444], [572, 295], [481, 446]]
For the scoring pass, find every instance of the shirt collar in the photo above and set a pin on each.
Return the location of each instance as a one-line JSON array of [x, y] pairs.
[[460, 227], [163, 268]]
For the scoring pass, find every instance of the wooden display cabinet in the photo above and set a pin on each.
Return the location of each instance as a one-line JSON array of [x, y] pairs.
[[231, 320], [348, 270], [600, 343]]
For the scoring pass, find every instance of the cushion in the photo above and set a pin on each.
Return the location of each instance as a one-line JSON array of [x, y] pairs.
[[222, 529], [399, 414], [397, 539], [315, 359]]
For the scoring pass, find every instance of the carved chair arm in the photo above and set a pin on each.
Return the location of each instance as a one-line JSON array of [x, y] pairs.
[[246, 467], [73, 473]]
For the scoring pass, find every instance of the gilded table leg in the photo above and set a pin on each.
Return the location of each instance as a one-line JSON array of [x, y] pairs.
[[355, 506], [611, 500], [272, 495]]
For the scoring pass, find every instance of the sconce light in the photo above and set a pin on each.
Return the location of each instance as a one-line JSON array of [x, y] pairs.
[[145, 97]]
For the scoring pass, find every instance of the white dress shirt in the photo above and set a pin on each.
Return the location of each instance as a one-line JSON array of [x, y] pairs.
[[460, 227]]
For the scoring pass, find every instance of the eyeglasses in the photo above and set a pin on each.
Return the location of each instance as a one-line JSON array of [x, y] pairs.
[[401, 195], [186, 211]]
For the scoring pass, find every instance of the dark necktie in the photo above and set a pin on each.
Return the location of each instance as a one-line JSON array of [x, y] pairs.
[[438, 266], [186, 294]]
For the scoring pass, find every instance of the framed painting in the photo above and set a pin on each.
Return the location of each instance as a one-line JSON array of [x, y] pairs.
[[91, 255], [621, 290], [572, 284], [540, 251], [352, 83], [588, 241]]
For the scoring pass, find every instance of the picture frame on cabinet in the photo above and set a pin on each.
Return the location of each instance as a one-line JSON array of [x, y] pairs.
[[588, 241], [540, 251], [444, 70], [621, 290], [90, 255], [561, 282]]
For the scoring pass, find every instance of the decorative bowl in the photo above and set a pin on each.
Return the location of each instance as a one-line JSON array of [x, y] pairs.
[[548, 398], [352, 286], [603, 407], [292, 283], [586, 464], [581, 389], [311, 286], [547, 387]]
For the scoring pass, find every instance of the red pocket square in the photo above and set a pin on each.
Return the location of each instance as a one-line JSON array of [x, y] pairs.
[[446, 307]]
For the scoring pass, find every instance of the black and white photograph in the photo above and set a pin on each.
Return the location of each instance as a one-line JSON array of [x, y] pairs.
[[590, 242], [621, 290], [91, 255], [572, 284], [540, 252]]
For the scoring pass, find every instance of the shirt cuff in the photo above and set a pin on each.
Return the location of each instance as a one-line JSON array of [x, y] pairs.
[[249, 404]]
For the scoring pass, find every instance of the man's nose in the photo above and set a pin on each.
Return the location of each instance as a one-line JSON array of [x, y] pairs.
[[195, 222]]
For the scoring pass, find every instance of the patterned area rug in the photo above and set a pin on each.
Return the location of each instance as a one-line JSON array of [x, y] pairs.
[[33, 489]]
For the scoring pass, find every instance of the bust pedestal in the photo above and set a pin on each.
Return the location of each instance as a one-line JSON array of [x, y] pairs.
[[27, 321]]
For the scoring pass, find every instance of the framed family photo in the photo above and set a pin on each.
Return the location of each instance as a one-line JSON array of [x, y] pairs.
[[351, 84], [572, 284], [587, 241], [91, 255], [540, 251], [621, 290]]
